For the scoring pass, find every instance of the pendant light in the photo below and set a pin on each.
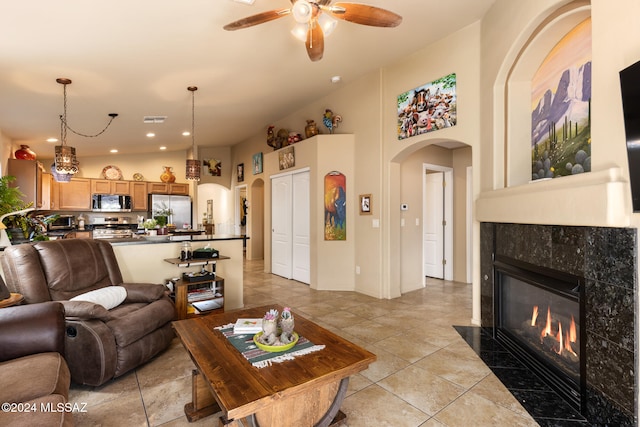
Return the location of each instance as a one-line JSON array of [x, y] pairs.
[[65, 160], [193, 165]]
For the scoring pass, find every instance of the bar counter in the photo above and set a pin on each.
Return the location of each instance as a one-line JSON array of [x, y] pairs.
[[142, 260]]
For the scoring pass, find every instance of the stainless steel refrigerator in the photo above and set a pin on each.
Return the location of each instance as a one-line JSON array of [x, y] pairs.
[[179, 205]]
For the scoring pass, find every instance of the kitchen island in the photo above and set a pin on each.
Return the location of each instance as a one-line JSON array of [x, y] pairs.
[[142, 261]]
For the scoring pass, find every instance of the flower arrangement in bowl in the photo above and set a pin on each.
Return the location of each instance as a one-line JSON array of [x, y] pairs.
[[276, 336]]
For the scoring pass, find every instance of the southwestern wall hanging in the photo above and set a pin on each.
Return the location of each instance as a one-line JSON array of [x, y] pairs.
[[335, 206], [561, 101], [427, 108]]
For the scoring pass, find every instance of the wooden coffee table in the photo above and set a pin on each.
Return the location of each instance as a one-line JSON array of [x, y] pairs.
[[304, 392]]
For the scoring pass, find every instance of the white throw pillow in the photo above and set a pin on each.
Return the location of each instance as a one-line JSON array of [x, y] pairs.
[[108, 297]]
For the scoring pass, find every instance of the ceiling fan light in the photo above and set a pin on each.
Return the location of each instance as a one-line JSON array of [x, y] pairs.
[[302, 11], [327, 23], [300, 32]]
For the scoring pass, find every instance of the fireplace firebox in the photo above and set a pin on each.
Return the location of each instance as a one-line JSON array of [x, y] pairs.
[[538, 317]]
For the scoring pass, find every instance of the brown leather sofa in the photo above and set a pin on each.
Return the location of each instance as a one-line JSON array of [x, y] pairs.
[[100, 344], [34, 376]]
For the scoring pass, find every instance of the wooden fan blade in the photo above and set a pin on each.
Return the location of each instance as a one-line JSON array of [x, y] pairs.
[[364, 14], [315, 41], [260, 18]]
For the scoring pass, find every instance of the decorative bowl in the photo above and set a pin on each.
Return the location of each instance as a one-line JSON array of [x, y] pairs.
[[275, 348]]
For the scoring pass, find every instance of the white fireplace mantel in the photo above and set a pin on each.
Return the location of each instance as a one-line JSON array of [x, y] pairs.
[[591, 199]]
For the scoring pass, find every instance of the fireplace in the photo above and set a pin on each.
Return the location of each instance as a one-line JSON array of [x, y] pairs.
[[538, 317]]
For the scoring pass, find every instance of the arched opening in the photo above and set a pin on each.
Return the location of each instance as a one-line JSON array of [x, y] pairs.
[[408, 174]]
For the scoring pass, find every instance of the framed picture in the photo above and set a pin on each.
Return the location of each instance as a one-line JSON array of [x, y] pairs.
[[428, 108], [240, 172], [365, 204], [257, 163], [286, 158]]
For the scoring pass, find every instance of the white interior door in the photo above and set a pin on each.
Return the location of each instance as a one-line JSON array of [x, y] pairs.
[[433, 230], [301, 228], [281, 230]]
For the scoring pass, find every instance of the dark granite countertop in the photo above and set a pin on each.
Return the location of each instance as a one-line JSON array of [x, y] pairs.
[[141, 240]]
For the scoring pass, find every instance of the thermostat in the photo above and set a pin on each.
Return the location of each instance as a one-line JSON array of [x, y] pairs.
[[404, 207]]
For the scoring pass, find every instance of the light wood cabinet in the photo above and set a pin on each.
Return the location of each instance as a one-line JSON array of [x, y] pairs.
[[174, 188], [105, 186], [30, 177], [157, 188], [179, 189], [139, 196], [74, 195]]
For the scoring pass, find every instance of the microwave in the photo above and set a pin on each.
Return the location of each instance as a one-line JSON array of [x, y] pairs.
[[62, 223], [110, 203]]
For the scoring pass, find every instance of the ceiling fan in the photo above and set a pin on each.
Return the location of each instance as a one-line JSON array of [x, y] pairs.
[[317, 19]]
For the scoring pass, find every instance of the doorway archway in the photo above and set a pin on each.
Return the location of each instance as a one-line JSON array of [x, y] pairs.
[[407, 176]]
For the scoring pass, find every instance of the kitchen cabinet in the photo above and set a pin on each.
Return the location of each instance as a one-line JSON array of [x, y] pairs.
[[30, 178], [139, 199], [105, 186], [74, 195], [168, 188]]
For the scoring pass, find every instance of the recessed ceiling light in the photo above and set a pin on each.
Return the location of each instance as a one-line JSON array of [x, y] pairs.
[[151, 135], [186, 133], [113, 151], [52, 139], [163, 148], [336, 79]]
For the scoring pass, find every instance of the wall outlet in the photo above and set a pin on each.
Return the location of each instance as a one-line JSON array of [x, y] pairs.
[[357, 269], [417, 221]]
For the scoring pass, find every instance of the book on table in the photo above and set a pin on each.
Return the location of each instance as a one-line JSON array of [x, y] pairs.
[[247, 326]]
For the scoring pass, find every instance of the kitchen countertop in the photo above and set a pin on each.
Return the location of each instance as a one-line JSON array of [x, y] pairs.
[[171, 239]]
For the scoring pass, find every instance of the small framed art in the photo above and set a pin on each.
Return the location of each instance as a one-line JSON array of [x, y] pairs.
[[365, 204]]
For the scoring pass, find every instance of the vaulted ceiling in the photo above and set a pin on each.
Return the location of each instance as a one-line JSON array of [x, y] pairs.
[[137, 58]]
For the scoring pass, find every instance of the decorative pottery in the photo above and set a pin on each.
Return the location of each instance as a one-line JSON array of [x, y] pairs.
[[269, 327], [167, 175], [311, 129], [287, 325], [25, 153]]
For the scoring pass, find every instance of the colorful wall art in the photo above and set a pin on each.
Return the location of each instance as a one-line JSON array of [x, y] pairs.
[[214, 166], [561, 108], [335, 206], [427, 108], [257, 163]]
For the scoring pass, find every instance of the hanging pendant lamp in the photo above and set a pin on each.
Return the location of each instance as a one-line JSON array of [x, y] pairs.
[[193, 165], [65, 160]]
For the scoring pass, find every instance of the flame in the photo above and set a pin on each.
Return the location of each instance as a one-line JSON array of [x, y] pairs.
[[559, 339], [573, 335], [564, 340], [547, 328]]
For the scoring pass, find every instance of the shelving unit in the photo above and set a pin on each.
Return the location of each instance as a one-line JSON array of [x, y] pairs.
[[187, 292]]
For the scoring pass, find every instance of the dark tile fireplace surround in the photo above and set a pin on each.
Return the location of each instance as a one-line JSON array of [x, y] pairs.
[[606, 259]]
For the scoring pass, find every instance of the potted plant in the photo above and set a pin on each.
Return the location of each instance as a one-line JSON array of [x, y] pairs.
[[11, 201], [150, 225], [161, 215]]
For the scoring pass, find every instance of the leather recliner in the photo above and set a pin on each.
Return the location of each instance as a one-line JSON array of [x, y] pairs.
[[35, 377], [100, 344]]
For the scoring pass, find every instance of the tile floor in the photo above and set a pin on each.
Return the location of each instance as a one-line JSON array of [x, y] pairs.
[[438, 380]]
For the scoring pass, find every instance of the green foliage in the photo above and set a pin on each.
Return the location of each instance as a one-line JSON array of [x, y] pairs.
[[11, 201]]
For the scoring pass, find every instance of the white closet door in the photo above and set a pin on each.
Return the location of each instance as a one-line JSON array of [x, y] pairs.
[[281, 231], [433, 226], [301, 228]]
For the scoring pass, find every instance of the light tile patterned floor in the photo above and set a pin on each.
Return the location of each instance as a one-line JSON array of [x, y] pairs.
[[425, 375]]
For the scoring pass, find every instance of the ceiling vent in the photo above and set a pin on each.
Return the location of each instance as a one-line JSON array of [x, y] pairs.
[[154, 119]]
